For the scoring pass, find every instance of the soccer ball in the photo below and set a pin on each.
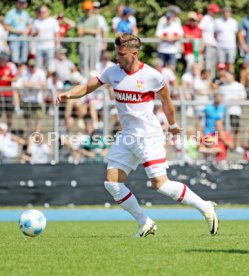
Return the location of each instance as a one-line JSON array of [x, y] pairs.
[[32, 223]]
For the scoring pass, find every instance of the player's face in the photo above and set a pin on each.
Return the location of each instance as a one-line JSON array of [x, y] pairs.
[[125, 56]]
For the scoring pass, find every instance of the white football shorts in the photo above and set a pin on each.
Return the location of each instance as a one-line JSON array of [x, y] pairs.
[[129, 151]]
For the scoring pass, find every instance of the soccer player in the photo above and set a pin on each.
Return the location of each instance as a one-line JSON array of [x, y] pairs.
[[142, 139]]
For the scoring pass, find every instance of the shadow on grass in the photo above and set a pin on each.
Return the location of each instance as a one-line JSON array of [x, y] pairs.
[[229, 251]]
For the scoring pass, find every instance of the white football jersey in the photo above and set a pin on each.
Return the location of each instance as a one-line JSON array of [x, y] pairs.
[[134, 94]]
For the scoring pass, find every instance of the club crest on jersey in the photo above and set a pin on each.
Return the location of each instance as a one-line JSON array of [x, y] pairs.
[[140, 84]]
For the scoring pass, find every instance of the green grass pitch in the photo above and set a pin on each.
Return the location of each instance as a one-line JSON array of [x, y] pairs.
[[108, 248]]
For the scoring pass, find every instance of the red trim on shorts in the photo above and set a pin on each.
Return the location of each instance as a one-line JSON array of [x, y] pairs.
[[153, 162], [141, 65], [183, 193], [99, 80], [124, 198]]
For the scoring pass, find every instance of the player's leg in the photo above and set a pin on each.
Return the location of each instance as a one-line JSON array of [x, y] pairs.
[[116, 175], [181, 193], [155, 166]]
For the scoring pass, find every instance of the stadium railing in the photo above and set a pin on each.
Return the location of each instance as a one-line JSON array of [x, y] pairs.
[[52, 118], [30, 112]]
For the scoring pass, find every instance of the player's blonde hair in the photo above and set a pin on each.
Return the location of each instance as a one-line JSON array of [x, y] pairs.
[[128, 40]]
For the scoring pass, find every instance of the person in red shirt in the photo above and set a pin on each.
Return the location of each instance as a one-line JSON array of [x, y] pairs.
[[65, 24], [6, 96], [193, 35], [221, 142], [225, 141]]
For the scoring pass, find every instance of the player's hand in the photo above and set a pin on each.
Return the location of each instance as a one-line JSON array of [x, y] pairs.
[[62, 97], [175, 130]]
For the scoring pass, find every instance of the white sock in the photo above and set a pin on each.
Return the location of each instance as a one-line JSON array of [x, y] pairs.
[[180, 192], [124, 197]]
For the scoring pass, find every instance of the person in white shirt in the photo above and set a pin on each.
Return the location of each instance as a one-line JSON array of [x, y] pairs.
[[188, 80], [226, 29], [105, 62], [233, 91], [61, 65], [169, 77], [142, 140], [46, 30], [9, 149], [169, 32], [33, 81], [37, 153], [202, 91], [207, 26]]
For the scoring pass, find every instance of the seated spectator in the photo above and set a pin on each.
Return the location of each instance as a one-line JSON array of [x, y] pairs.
[[222, 142], [67, 147], [9, 149], [193, 48], [34, 80], [105, 62], [56, 86], [202, 91], [54, 82], [220, 77], [93, 147], [37, 153], [233, 91], [169, 77], [187, 148], [207, 148], [188, 81], [212, 113], [125, 25], [76, 104], [187, 84], [61, 65]]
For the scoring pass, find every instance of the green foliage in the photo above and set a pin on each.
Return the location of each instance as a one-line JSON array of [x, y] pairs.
[[147, 13]]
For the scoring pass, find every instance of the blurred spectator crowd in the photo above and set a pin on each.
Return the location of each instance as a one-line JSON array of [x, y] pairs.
[[34, 70]]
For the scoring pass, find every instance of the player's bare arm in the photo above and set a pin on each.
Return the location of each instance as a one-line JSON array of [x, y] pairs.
[[169, 110], [79, 91]]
